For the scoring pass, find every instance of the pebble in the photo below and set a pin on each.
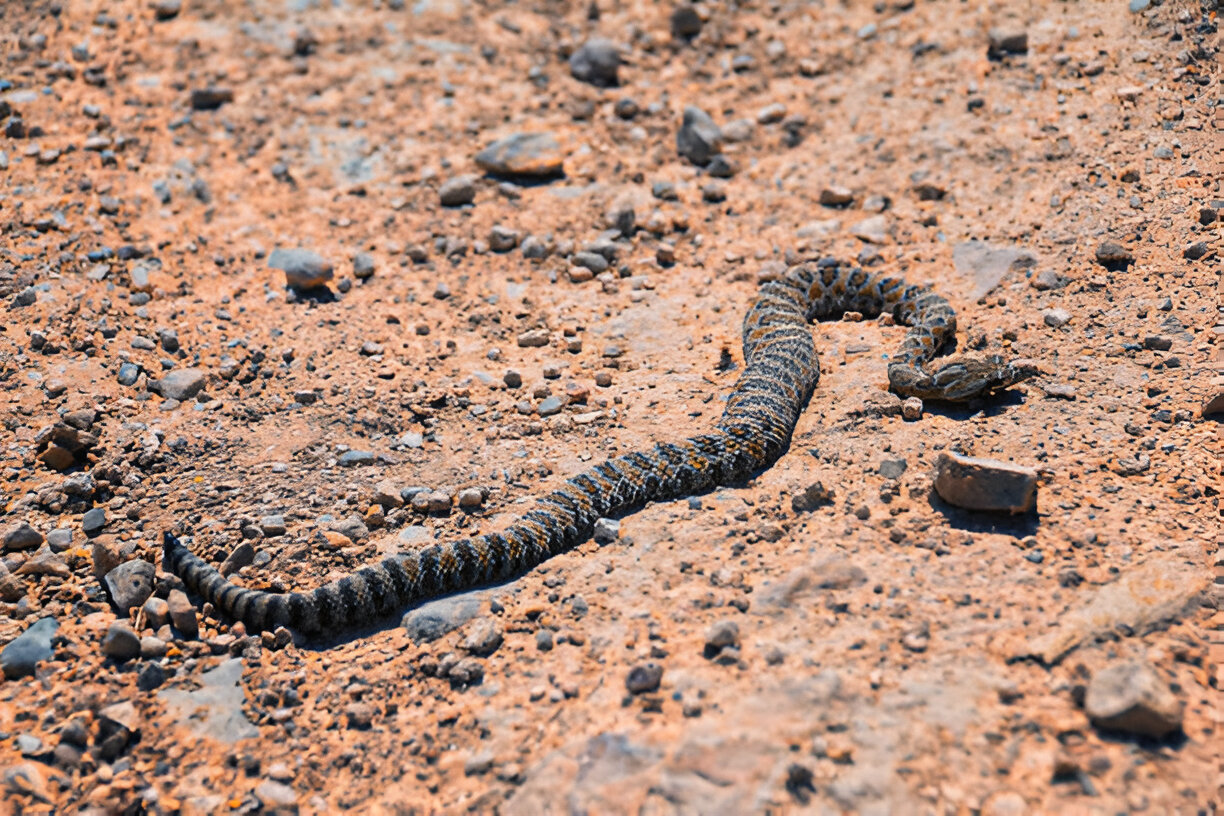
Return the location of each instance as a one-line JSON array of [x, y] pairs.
[[713, 193], [533, 338], [471, 498], [387, 494], [1131, 697], [167, 9], [21, 536], [699, 138], [276, 797], [606, 530], [130, 584], [484, 637], [181, 384], [1006, 41], [210, 98], [590, 260], [156, 612], [721, 635], [93, 521], [814, 496], [1046, 280], [685, 22], [596, 62], [1056, 318], [457, 191], [272, 526], [1195, 251], [128, 374], [467, 672], [503, 239], [771, 114], [544, 640], [12, 589], [644, 678], [20, 657], [530, 155], [1137, 6], [1114, 256], [363, 266], [836, 197], [241, 556], [892, 468], [121, 643], [985, 484], [873, 230], [183, 614], [911, 409], [303, 268]]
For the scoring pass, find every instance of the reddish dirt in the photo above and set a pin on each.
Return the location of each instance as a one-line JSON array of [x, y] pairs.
[[894, 654]]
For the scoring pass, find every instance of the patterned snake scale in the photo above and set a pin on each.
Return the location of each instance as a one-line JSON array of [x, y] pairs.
[[779, 376]]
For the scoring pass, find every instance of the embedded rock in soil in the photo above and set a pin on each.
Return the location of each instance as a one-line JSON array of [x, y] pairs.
[[1131, 697], [985, 484], [529, 155]]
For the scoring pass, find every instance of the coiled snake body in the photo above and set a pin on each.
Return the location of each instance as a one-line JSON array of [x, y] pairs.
[[780, 373]]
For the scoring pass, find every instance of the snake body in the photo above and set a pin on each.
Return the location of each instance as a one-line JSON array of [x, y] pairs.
[[780, 373]]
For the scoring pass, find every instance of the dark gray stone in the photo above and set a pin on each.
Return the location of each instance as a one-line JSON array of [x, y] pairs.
[[181, 384], [130, 584], [355, 458], [596, 62], [121, 643], [457, 191], [303, 268], [22, 537], [128, 374], [644, 678], [699, 138], [22, 655], [93, 521]]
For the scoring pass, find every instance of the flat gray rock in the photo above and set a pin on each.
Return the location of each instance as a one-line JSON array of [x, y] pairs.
[[529, 155], [215, 709], [23, 654], [432, 620], [987, 264], [181, 384], [985, 484]]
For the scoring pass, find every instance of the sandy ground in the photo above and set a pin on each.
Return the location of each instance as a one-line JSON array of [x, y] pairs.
[[1053, 168]]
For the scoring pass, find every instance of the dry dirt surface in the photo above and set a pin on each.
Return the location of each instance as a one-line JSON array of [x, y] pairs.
[[829, 637]]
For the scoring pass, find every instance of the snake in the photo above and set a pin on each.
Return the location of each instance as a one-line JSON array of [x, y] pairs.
[[778, 378]]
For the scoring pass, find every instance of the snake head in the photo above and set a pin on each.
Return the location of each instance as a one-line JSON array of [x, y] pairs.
[[966, 378]]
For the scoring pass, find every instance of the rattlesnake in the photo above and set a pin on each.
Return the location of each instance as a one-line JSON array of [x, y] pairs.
[[779, 376]]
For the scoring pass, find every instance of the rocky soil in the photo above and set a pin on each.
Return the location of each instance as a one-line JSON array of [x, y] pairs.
[[312, 282]]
